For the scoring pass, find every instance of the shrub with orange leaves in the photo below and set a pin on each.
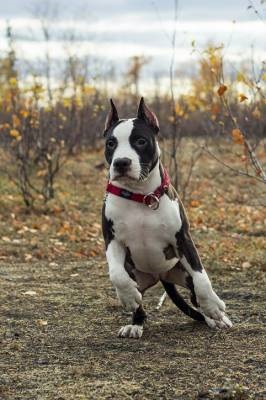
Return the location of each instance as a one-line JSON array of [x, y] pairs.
[[237, 136]]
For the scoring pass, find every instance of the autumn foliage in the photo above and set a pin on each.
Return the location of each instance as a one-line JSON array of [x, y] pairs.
[[40, 129]]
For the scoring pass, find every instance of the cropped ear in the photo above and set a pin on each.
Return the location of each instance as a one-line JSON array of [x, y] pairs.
[[111, 118], [147, 115]]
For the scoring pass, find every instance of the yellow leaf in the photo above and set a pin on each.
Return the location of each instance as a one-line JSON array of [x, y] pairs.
[[14, 133], [15, 121], [24, 113], [13, 81], [237, 136], [222, 89], [240, 77], [179, 110], [242, 97]]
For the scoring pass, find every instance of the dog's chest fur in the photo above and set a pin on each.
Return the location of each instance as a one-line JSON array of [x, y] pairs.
[[144, 232]]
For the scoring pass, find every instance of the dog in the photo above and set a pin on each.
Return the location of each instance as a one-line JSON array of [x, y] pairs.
[[146, 229]]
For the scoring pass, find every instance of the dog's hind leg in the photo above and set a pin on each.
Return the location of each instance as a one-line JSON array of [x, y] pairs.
[[212, 323], [178, 275], [210, 304]]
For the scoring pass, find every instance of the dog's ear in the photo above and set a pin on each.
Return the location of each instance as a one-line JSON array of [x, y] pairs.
[[111, 118], [147, 115]]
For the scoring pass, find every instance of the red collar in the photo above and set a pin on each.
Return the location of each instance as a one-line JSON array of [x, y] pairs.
[[151, 200]]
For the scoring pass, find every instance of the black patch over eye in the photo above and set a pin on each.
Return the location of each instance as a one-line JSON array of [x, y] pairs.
[[141, 142], [111, 144]]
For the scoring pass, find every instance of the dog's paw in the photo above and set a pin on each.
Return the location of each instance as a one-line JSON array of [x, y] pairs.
[[131, 331], [223, 323], [211, 305], [130, 297]]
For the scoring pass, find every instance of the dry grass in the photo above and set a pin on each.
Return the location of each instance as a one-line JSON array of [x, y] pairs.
[[59, 314]]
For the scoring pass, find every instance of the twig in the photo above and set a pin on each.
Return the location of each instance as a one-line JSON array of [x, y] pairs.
[[238, 172], [161, 301], [193, 160], [254, 160]]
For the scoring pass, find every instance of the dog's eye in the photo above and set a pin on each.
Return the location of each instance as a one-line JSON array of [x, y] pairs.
[[111, 144], [141, 142]]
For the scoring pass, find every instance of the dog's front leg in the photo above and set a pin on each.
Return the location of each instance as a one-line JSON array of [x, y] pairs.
[[126, 289]]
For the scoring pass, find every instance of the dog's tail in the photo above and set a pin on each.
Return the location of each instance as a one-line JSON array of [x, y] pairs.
[[178, 300]]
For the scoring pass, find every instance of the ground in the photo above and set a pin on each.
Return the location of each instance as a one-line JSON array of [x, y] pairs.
[[60, 317]]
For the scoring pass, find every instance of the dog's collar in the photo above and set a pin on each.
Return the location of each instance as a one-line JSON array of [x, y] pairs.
[[151, 200]]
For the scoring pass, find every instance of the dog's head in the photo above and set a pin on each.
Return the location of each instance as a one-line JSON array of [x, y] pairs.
[[131, 147]]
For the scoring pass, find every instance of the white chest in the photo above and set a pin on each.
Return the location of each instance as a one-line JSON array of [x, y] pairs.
[[144, 231]]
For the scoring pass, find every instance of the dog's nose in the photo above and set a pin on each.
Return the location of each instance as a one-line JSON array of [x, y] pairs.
[[122, 164]]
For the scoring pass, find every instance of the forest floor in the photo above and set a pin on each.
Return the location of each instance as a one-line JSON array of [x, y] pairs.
[[59, 313]]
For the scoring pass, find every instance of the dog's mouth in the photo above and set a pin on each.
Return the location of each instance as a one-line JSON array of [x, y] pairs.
[[125, 177], [143, 176]]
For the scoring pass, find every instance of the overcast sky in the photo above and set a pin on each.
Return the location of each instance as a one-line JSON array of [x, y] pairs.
[[114, 30], [189, 9]]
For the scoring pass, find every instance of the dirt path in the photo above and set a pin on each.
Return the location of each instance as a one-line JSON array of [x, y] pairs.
[[78, 356]]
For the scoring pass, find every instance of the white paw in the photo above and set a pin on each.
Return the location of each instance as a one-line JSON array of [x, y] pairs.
[[130, 297], [131, 331], [209, 302], [211, 305], [223, 323]]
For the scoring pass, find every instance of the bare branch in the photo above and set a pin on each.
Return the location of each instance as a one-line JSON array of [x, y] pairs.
[[235, 170]]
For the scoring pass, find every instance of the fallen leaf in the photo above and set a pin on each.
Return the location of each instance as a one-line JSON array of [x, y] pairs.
[[194, 203], [41, 173], [246, 264], [42, 322], [30, 293], [53, 264], [6, 239], [80, 254]]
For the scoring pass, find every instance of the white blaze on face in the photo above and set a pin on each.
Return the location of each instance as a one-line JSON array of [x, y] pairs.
[[122, 133]]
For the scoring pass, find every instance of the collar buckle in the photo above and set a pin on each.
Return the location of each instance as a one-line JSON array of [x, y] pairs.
[[151, 201]]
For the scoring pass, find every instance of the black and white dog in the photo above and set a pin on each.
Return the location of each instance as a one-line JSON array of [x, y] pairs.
[[145, 227]]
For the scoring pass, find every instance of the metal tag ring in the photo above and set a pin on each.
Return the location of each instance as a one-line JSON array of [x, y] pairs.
[[154, 205]]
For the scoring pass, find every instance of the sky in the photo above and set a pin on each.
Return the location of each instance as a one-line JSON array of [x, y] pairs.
[[109, 32]]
